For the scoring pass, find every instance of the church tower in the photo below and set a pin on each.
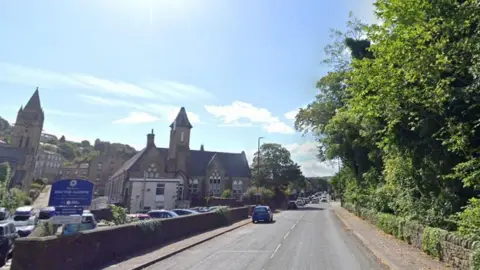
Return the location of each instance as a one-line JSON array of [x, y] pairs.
[[180, 137], [26, 135]]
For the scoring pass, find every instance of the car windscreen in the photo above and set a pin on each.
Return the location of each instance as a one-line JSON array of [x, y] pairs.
[[21, 218], [261, 210], [45, 215]]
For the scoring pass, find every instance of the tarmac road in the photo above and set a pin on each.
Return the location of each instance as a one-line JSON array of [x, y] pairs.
[[308, 238]]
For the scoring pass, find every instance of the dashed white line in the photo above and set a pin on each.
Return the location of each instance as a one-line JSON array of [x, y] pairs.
[[286, 235], [293, 226], [273, 254]]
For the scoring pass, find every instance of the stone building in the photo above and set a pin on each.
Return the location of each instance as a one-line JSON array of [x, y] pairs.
[[203, 172], [79, 171], [102, 168], [48, 164], [25, 139]]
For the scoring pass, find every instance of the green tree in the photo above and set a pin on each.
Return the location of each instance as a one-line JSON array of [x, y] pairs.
[[62, 139], [227, 193], [276, 167]]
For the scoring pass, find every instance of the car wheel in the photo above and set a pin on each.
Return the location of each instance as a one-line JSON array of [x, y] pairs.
[[254, 221]]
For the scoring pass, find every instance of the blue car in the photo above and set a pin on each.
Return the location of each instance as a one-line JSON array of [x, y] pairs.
[[262, 213]]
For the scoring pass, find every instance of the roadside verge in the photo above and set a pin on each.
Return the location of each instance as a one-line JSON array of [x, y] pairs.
[[393, 253], [148, 259]]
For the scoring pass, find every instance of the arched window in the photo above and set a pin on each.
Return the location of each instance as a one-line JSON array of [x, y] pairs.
[[193, 186], [152, 172], [237, 187], [214, 182]]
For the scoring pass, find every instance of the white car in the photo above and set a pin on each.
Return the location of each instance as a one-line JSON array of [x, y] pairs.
[[300, 202], [315, 200]]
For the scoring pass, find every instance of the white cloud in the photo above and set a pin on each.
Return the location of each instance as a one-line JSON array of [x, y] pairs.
[[137, 118], [231, 114], [305, 154], [291, 114], [162, 90], [166, 112]]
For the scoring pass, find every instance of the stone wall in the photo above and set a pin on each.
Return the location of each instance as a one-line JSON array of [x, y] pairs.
[[97, 248], [457, 251]]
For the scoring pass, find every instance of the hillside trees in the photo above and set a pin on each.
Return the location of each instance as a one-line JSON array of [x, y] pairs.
[[402, 113]]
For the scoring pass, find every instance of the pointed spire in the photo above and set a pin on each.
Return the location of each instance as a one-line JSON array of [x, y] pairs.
[[201, 148], [21, 109], [34, 102], [181, 120]]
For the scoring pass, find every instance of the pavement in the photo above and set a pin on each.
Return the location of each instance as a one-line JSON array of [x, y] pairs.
[[309, 238], [394, 253], [42, 199]]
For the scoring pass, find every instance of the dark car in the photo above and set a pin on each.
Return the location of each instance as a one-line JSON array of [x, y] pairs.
[[292, 205], [262, 213], [46, 213], [8, 235], [162, 214], [184, 212]]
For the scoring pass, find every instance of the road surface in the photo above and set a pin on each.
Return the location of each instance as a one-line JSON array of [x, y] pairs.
[[310, 238]]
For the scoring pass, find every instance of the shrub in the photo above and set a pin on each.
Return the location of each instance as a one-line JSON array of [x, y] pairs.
[[119, 214], [36, 186], [431, 241], [227, 193], [468, 220], [222, 214]]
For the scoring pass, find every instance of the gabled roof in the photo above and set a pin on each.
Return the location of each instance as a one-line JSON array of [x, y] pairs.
[[129, 163], [235, 164], [181, 120]]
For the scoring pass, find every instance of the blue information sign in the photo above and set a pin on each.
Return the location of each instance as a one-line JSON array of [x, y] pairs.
[[68, 211], [71, 192]]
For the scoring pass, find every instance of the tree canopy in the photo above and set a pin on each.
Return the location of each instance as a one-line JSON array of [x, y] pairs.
[[401, 111]]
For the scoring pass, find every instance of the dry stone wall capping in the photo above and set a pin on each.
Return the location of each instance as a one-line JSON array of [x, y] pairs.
[[98, 248], [459, 252]]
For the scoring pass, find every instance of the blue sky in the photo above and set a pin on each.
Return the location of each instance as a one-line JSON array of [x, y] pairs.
[[116, 69]]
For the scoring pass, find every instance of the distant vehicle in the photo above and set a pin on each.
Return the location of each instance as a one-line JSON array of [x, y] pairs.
[[300, 202], [315, 200], [262, 213], [324, 200], [8, 235], [292, 205], [184, 212], [46, 213], [162, 214], [24, 220]]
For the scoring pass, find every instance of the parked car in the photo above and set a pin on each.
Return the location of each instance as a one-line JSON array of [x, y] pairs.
[[139, 216], [24, 220], [324, 200], [184, 212], [315, 200], [292, 205], [8, 235], [88, 223], [162, 214], [300, 202], [4, 214], [46, 213], [262, 213]]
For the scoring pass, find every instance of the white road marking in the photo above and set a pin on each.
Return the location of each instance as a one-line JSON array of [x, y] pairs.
[[244, 251], [286, 235], [273, 254], [293, 226]]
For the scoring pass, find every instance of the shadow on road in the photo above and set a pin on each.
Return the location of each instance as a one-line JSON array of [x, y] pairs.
[[262, 222], [307, 208]]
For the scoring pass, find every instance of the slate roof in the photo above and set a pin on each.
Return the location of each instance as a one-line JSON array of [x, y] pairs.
[[181, 120], [235, 164]]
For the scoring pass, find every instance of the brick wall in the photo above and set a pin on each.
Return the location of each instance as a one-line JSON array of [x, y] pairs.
[[97, 248]]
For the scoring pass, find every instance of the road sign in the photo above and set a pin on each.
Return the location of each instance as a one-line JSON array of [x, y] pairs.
[[68, 211], [71, 192], [63, 220]]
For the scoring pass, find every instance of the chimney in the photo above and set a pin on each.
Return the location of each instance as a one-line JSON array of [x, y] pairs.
[[150, 139], [201, 148]]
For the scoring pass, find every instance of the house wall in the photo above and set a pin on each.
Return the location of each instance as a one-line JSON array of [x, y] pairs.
[[151, 200]]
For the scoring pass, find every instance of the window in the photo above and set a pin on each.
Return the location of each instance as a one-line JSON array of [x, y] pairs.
[[160, 189], [237, 187], [99, 166], [215, 183], [193, 186], [152, 172], [182, 135], [179, 192]]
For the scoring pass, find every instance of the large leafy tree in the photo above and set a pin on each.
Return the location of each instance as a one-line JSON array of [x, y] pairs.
[[273, 167]]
